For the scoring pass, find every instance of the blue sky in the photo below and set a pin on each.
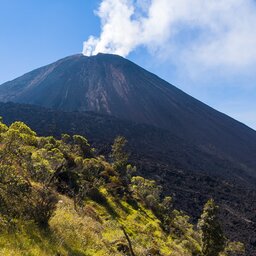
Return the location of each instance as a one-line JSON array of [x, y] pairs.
[[207, 51]]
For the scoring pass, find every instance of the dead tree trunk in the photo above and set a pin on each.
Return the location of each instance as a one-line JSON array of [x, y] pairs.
[[128, 240]]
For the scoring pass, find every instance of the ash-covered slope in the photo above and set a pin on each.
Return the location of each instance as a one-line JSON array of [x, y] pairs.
[[110, 84], [104, 83]]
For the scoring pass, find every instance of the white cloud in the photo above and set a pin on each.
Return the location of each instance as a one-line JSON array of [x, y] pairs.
[[119, 33], [202, 33]]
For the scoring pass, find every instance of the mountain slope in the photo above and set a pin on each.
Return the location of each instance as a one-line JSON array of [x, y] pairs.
[[112, 85], [147, 143], [59, 198], [190, 173]]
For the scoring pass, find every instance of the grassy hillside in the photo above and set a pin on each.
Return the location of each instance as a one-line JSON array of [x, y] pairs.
[[96, 232], [57, 197]]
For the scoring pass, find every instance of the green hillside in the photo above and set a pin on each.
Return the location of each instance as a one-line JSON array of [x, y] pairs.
[[57, 197]]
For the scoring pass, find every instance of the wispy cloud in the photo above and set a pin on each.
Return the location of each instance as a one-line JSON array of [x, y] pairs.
[[205, 34]]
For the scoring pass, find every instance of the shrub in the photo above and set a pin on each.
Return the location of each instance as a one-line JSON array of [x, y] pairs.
[[42, 205], [213, 240]]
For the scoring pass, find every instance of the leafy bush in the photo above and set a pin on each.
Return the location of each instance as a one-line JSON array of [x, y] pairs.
[[42, 204]]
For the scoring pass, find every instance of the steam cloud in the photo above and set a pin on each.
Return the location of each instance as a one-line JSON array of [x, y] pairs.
[[209, 32]]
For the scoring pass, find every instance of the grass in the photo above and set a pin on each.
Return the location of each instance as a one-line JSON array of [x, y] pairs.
[[95, 231], [29, 240]]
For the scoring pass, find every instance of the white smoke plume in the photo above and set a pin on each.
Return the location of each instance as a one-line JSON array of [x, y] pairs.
[[208, 32]]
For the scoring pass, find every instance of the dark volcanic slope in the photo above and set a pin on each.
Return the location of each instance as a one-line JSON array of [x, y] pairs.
[[148, 143], [110, 84]]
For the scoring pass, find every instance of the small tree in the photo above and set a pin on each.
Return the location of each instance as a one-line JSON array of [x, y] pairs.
[[125, 171], [119, 155], [3, 127], [165, 210], [87, 180], [83, 146], [213, 240], [20, 197], [147, 191]]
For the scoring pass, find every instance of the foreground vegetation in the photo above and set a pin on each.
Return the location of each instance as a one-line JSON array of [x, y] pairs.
[[57, 197]]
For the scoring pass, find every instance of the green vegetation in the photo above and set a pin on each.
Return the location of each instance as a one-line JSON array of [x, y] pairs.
[[57, 197], [213, 240]]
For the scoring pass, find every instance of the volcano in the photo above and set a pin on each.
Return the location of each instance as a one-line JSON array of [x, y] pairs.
[[194, 151], [106, 84], [112, 85]]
